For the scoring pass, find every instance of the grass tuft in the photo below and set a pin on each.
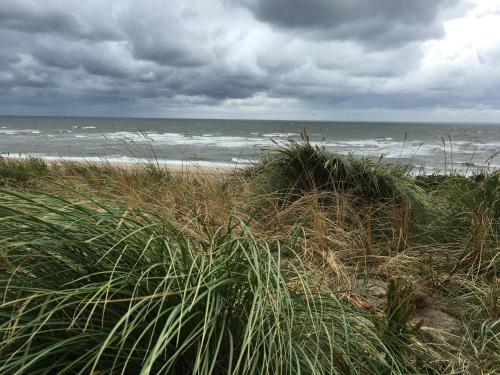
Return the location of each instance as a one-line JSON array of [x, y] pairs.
[[310, 262], [91, 288]]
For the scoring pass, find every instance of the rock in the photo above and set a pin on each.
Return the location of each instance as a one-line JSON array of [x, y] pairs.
[[421, 298], [377, 291], [436, 325], [374, 290], [372, 287]]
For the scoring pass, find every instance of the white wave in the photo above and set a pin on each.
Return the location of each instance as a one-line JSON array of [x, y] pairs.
[[126, 160], [474, 143], [363, 143], [388, 148], [491, 144], [243, 161], [281, 135], [8, 131], [191, 140], [374, 142], [413, 149]]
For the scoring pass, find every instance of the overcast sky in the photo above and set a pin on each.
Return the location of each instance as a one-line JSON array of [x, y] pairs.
[[415, 60]]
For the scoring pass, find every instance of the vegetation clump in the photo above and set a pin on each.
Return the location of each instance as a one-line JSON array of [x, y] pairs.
[[301, 167], [20, 172], [310, 262], [112, 290]]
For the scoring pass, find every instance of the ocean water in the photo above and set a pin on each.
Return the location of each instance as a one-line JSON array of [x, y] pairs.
[[239, 142]]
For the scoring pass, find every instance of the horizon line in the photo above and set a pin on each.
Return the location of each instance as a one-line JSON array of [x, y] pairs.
[[258, 119]]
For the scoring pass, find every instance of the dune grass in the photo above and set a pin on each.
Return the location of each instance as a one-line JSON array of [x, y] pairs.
[[115, 290], [301, 167], [21, 172], [306, 263]]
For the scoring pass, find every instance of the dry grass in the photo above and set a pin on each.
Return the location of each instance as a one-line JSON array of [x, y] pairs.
[[350, 246]]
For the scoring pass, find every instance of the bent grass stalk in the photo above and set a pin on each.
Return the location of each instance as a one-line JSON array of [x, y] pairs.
[[112, 290], [120, 270]]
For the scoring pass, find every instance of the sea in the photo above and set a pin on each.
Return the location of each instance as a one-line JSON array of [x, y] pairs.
[[429, 147]]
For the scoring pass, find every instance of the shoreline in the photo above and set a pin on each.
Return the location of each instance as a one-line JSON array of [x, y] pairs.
[[218, 168], [306, 230], [174, 166]]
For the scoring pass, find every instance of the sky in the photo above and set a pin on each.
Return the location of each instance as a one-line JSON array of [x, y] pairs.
[[362, 60]]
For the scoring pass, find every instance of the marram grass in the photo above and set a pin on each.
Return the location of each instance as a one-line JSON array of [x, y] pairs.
[[298, 167], [107, 269], [97, 290]]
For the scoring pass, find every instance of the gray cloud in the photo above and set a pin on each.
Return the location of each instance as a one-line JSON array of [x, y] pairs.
[[59, 17], [123, 57], [35, 17], [168, 42], [384, 23]]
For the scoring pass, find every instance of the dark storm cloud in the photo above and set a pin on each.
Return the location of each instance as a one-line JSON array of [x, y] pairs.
[[7, 58], [158, 35], [382, 23], [121, 55], [225, 86], [35, 18], [167, 47], [55, 17]]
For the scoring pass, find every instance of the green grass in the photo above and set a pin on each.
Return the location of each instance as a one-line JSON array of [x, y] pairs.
[[20, 172], [118, 291], [300, 167], [112, 270]]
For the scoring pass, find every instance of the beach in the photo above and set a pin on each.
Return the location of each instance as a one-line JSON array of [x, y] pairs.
[[386, 261], [247, 187], [237, 143]]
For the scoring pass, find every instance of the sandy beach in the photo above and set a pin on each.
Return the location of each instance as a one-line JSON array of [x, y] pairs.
[[184, 167]]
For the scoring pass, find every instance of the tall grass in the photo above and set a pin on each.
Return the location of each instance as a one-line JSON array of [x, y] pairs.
[[110, 269], [88, 288], [302, 166], [20, 172]]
